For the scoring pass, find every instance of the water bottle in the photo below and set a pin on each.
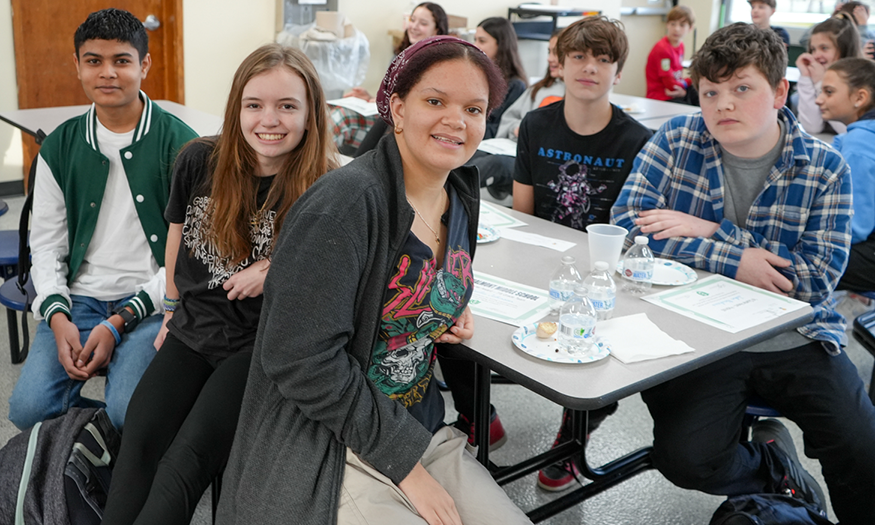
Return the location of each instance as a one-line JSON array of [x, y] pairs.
[[638, 267], [577, 319], [601, 290], [563, 282]]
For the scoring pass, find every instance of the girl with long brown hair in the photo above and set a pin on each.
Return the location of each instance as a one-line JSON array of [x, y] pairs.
[[229, 198]]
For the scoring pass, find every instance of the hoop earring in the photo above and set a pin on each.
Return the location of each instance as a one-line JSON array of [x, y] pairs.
[[398, 129]]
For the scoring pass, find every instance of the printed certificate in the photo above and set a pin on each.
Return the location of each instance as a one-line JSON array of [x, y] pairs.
[[725, 303], [508, 302], [493, 216]]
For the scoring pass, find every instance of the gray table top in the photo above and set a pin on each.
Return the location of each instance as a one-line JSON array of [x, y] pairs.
[[649, 108], [592, 385], [47, 119]]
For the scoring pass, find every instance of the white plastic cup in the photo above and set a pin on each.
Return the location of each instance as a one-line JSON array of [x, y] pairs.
[[605, 244]]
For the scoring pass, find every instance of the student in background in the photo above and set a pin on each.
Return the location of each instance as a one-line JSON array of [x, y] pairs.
[[98, 235], [342, 421], [664, 69], [574, 156], [761, 12], [497, 38], [848, 96], [741, 190], [831, 40], [230, 197]]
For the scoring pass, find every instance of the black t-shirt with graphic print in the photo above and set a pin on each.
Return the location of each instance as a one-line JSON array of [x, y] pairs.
[[205, 319], [576, 178], [420, 304]]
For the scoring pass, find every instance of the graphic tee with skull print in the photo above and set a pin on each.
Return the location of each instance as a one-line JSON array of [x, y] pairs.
[[420, 304]]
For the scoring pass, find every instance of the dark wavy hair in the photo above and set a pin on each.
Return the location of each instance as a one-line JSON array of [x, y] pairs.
[[436, 54], [737, 46], [508, 56], [113, 24], [441, 22]]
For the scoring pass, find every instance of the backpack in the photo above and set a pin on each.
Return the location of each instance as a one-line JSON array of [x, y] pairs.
[[58, 472], [768, 509]]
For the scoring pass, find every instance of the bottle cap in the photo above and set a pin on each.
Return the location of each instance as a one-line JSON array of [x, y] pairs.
[[601, 266], [568, 259], [641, 239]]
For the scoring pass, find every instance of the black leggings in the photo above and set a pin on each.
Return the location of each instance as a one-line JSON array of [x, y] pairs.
[[859, 276], [177, 435]]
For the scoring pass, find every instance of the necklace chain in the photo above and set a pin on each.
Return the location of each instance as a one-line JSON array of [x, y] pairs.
[[436, 237]]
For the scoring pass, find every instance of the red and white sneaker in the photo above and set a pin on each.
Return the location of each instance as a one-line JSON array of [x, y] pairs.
[[497, 437]]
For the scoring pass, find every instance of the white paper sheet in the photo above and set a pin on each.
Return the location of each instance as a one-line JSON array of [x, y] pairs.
[[498, 147], [725, 303], [508, 302], [356, 104], [636, 338], [537, 240], [494, 217]]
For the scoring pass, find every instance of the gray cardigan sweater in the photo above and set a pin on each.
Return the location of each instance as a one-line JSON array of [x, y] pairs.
[[307, 396]]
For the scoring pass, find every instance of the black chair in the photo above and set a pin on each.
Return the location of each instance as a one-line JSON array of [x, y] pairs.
[[864, 332]]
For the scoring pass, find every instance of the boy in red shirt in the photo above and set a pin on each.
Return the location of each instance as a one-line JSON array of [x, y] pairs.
[[664, 69]]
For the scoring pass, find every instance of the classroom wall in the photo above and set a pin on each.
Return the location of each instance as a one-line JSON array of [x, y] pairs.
[[10, 138]]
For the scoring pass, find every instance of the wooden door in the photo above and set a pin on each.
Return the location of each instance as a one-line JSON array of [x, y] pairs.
[[43, 36]]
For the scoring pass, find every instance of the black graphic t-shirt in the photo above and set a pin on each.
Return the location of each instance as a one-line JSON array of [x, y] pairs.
[[576, 178], [420, 304], [205, 319]]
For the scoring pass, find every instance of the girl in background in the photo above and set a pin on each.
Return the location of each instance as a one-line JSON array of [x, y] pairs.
[[848, 96], [229, 198], [833, 39], [496, 37]]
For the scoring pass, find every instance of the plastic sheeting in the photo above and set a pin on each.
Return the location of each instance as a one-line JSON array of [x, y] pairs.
[[342, 63]]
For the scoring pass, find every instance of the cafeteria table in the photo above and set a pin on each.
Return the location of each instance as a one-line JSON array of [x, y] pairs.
[[587, 386]]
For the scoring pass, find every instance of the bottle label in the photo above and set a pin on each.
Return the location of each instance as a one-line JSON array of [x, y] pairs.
[[603, 304], [561, 295], [638, 275], [577, 332]]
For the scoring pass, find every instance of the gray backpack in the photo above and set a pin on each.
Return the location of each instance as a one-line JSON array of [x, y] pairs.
[[58, 472]]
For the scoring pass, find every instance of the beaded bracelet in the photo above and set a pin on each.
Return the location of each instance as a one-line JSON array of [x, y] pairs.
[[170, 304], [115, 334]]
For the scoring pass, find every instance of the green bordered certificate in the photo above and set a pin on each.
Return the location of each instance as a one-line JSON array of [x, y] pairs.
[[508, 302], [492, 216], [725, 303]]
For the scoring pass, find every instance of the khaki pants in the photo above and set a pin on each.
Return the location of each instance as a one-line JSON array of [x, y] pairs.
[[370, 498]]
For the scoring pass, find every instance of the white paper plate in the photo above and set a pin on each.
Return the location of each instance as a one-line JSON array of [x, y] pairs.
[[486, 234], [526, 339], [668, 273]]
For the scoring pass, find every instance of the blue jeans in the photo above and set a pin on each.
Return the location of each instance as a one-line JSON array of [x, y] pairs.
[[697, 418], [44, 390]]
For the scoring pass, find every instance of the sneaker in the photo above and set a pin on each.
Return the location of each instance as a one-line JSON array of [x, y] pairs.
[[497, 437], [797, 482], [561, 475]]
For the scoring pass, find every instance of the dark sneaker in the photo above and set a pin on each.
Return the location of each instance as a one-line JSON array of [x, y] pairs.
[[497, 437], [797, 482]]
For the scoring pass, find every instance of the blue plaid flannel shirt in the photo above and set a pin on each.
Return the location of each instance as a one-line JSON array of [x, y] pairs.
[[802, 214]]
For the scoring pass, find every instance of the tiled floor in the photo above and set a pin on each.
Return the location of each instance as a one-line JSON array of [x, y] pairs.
[[531, 423]]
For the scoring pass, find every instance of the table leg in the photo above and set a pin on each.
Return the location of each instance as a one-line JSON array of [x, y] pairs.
[[482, 384]]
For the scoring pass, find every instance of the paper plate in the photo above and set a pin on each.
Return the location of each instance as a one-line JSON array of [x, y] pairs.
[[633, 109], [486, 234], [526, 339], [668, 273]]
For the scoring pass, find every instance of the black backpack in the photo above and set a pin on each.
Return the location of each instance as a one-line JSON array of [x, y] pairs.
[[768, 509], [58, 472]]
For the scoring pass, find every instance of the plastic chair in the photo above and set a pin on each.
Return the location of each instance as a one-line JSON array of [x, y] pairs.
[[15, 300], [864, 332]]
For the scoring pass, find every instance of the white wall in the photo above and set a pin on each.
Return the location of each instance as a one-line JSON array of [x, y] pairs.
[[10, 137]]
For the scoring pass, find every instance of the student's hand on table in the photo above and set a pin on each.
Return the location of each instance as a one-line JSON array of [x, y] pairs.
[[359, 92], [757, 267], [429, 498], [460, 331], [162, 333], [677, 92], [671, 223], [97, 351], [67, 341], [248, 282]]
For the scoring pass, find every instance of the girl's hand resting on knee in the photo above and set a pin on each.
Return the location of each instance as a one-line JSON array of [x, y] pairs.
[[247, 283], [431, 501]]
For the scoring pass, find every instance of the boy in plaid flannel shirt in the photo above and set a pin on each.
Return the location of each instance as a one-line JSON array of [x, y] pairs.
[[741, 190]]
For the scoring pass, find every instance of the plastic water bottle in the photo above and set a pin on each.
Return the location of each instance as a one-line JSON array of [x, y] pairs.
[[601, 290], [577, 319], [563, 282], [638, 267]]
